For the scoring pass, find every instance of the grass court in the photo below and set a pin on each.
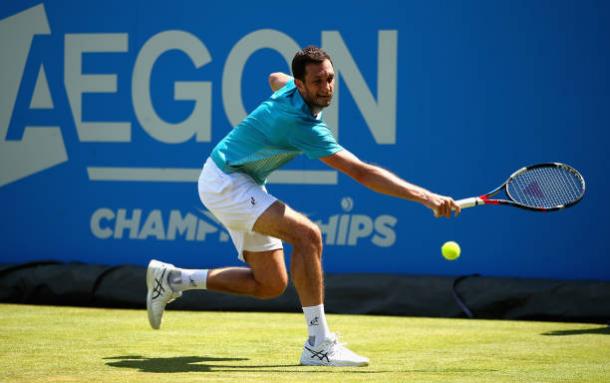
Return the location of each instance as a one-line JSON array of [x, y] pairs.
[[69, 344]]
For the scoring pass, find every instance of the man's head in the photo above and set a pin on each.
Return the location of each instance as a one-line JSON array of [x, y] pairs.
[[314, 77]]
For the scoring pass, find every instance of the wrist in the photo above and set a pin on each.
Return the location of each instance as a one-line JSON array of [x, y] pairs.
[[423, 196]]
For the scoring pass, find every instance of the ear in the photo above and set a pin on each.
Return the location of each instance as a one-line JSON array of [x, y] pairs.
[[300, 85]]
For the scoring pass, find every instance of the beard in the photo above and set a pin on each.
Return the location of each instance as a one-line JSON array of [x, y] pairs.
[[318, 101]]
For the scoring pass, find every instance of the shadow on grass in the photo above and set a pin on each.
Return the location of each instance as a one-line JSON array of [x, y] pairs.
[[211, 364], [169, 365], [599, 330], [204, 364]]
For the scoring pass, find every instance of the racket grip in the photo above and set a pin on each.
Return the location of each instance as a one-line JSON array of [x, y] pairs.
[[469, 202]]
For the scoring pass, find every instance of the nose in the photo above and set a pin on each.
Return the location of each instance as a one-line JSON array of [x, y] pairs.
[[328, 88]]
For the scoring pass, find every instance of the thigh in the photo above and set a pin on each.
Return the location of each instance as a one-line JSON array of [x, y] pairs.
[[246, 241], [280, 221], [267, 265]]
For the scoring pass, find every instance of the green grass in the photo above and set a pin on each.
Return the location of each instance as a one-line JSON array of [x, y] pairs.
[[67, 344]]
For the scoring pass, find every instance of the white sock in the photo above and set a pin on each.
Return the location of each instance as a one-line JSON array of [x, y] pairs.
[[186, 279], [317, 328]]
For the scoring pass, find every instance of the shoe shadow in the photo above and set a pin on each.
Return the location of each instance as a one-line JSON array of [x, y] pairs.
[[597, 330], [180, 363]]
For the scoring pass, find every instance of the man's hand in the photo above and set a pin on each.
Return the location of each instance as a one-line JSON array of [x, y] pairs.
[[442, 206]]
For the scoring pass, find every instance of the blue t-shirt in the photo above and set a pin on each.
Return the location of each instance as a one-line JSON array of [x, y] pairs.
[[278, 130]]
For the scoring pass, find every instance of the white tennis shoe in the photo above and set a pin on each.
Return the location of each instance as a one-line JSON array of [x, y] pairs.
[[331, 353], [159, 291]]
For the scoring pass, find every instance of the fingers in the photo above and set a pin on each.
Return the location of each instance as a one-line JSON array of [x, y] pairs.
[[445, 207], [456, 208], [442, 210]]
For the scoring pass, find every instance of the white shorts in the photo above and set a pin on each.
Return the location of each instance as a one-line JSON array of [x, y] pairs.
[[237, 201]]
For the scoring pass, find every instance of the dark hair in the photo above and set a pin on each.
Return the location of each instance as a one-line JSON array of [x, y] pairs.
[[307, 55]]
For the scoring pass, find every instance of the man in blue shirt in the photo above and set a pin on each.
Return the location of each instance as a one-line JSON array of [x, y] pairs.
[[232, 187], [278, 130]]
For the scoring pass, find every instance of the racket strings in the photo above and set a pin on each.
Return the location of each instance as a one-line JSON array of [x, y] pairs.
[[546, 187]]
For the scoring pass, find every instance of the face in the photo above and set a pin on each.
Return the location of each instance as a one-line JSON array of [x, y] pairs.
[[319, 85]]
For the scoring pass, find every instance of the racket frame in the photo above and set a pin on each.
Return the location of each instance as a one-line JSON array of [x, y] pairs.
[[486, 199]]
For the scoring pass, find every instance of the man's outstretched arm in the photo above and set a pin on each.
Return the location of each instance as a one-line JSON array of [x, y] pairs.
[[277, 80], [384, 181]]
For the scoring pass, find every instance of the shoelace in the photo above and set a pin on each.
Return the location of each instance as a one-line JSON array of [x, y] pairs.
[[159, 289]]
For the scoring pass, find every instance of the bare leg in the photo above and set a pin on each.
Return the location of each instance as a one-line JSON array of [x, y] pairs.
[[265, 278], [282, 222]]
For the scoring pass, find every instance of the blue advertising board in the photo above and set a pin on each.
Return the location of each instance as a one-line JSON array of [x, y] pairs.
[[109, 108]]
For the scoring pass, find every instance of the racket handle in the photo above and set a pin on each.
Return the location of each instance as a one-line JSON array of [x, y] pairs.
[[466, 202], [469, 202]]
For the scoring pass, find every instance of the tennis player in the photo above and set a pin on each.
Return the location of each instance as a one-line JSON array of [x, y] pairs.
[[232, 187]]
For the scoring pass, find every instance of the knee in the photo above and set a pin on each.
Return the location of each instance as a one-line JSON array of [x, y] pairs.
[[309, 239], [272, 288]]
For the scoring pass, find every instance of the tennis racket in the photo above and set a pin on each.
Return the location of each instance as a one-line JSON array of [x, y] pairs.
[[541, 187]]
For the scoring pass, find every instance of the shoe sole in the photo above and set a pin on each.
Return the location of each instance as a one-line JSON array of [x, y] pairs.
[[150, 280], [361, 364]]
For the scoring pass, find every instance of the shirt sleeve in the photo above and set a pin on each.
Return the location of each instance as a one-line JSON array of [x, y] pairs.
[[315, 140], [290, 85]]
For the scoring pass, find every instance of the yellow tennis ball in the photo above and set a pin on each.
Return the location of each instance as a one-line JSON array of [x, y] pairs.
[[451, 250]]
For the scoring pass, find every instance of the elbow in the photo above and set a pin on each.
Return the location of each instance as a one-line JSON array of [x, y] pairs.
[[370, 176], [274, 78], [361, 174], [359, 177]]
